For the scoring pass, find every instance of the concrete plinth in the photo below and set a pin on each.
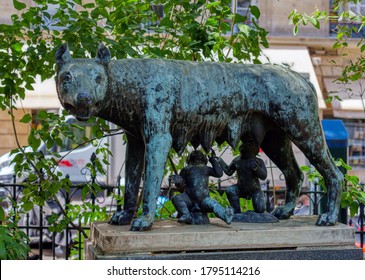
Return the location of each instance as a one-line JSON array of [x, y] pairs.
[[295, 238]]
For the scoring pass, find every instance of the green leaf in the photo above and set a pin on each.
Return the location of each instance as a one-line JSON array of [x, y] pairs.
[[26, 118], [244, 28], [295, 30], [27, 205], [42, 115], [337, 45], [2, 214], [19, 5], [292, 13], [255, 11], [344, 200], [354, 207], [3, 255], [167, 22], [34, 141], [32, 177], [89, 6], [239, 18], [209, 5], [315, 23], [305, 168], [17, 47]]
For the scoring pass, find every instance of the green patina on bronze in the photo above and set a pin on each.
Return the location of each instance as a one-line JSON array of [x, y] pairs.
[[168, 103]]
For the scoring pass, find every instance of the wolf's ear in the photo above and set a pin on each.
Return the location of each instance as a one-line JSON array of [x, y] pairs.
[[62, 56], [103, 55]]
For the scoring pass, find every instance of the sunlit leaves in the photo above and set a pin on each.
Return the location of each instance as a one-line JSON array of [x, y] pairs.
[[352, 194], [18, 5]]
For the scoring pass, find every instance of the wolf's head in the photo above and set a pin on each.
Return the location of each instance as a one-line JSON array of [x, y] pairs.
[[82, 83]]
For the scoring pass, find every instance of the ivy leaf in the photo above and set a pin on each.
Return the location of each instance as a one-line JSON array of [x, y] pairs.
[[19, 5]]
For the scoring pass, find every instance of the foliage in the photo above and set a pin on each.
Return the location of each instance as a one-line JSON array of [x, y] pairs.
[[13, 242], [353, 192], [165, 210], [78, 247], [348, 23]]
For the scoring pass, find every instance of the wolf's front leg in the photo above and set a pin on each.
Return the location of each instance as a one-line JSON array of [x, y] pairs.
[[134, 161], [157, 150]]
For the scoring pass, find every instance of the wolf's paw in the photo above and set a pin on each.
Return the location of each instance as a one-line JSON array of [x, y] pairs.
[[326, 219], [143, 223], [121, 218], [283, 212], [228, 213]]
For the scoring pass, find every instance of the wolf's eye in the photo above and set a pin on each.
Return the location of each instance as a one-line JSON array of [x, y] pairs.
[[67, 78], [98, 79]]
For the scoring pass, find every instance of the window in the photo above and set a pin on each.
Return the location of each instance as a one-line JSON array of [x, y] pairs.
[[356, 132], [243, 9], [358, 9], [48, 16]]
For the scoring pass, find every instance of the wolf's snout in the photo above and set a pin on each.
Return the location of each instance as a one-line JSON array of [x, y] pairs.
[[83, 100]]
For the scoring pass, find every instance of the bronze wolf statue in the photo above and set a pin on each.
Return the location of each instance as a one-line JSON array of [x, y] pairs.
[[163, 104]]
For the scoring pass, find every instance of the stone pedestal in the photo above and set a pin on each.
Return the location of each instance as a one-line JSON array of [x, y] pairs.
[[295, 238]]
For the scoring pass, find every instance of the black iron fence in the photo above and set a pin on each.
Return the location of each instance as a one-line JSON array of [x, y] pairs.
[[45, 243], [69, 243]]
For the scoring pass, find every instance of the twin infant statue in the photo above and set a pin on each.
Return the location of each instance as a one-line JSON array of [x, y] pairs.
[[194, 202]]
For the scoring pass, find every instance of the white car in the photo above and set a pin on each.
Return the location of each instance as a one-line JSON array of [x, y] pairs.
[[72, 162]]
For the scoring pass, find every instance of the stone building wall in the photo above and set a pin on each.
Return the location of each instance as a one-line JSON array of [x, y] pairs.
[[274, 17], [7, 135]]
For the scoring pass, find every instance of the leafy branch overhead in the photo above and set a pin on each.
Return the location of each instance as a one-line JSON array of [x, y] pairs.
[[347, 23]]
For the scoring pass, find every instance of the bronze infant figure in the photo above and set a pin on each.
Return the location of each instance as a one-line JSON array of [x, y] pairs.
[[195, 202]]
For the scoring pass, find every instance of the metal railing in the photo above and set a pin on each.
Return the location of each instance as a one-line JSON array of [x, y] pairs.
[[42, 228], [34, 223]]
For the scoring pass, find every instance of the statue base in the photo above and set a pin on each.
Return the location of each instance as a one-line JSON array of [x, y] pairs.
[[253, 217], [295, 238]]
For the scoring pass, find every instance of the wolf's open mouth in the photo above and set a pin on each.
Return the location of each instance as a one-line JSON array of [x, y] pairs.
[[81, 114]]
